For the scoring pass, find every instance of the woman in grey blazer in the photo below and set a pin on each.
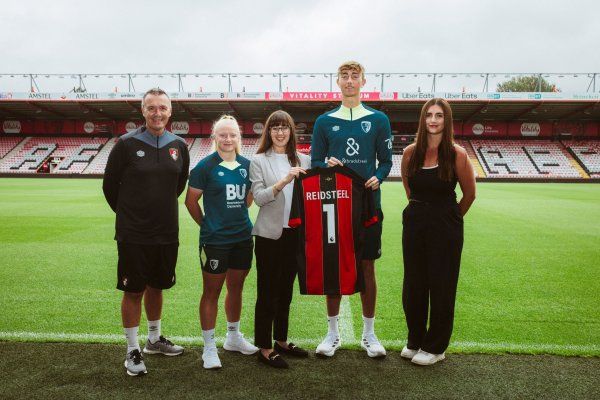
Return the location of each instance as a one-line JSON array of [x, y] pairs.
[[272, 173]]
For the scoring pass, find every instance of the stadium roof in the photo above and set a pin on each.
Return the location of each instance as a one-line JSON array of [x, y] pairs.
[[304, 106], [252, 96]]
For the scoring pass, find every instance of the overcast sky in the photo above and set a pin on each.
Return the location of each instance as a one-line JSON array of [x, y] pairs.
[[299, 36]]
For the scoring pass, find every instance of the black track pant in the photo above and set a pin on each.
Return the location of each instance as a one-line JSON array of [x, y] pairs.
[[432, 240], [276, 269]]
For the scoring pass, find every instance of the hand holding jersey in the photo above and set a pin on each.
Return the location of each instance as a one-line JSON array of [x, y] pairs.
[[372, 182], [273, 169], [291, 175], [331, 209]]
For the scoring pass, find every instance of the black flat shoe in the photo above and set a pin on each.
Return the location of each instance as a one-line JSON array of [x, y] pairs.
[[292, 350], [274, 360]]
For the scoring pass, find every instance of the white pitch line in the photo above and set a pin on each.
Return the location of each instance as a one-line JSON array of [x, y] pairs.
[[197, 340], [345, 322]]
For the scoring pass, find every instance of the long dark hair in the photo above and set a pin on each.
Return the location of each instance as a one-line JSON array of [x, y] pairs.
[[280, 118], [446, 152]]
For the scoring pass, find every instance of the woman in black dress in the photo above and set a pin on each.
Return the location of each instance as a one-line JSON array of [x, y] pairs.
[[432, 235]]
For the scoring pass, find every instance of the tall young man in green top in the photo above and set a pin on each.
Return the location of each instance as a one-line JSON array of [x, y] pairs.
[[358, 137]]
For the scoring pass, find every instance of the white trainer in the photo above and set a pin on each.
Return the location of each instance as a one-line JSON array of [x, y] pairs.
[[408, 353], [329, 345], [238, 343], [372, 345], [210, 356], [425, 358]]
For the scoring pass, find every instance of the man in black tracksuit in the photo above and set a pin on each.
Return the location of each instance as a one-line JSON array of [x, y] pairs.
[[146, 172]]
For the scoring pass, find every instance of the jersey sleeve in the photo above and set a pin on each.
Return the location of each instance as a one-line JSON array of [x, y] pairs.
[[296, 212], [185, 169], [199, 177], [369, 213], [384, 150], [113, 173], [318, 145]]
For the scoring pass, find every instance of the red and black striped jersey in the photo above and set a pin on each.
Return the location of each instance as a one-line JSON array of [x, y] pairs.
[[331, 207]]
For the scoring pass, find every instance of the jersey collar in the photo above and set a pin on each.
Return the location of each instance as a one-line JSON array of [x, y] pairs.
[[351, 114]]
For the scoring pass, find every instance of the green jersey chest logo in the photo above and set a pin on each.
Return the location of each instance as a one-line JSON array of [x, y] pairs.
[[366, 126], [352, 147], [235, 192], [243, 173]]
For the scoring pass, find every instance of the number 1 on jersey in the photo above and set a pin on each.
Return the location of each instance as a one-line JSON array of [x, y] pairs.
[[329, 210]]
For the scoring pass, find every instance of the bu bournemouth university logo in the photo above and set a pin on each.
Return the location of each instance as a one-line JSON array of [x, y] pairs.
[[235, 192], [174, 153]]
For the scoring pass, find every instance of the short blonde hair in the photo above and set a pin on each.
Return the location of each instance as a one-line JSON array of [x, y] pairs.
[[353, 66], [226, 120]]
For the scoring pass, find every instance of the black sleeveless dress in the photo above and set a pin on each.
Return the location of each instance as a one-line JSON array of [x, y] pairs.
[[432, 240]]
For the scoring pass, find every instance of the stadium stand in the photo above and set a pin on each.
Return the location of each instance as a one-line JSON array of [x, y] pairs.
[[479, 172], [396, 172], [524, 159], [74, 152], [200, 149], [491, 158], [249, 147], [79, 159], [396, 164], [587, 153], [98, 164], [7, 144]]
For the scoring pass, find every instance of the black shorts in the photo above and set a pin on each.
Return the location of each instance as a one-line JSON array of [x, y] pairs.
[[372, 245], [220, 258], [142, 265]]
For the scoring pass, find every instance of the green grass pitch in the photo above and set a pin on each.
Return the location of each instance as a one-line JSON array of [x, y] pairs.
[[529, 279]]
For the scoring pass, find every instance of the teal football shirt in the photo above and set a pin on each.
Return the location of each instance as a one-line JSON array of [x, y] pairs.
[[360, 137], [225, 187]]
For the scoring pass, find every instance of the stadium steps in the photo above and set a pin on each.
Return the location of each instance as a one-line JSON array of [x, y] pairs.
[[195, 152], [575, 163], [587, 154], [474, 160], [16, 149]]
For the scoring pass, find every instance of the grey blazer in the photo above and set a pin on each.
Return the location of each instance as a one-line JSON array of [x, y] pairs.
[[269, 223]]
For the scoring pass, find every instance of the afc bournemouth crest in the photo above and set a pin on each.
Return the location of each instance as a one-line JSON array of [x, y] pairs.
[[243, 172], [214, 264], [174, 153], [366, 126]]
